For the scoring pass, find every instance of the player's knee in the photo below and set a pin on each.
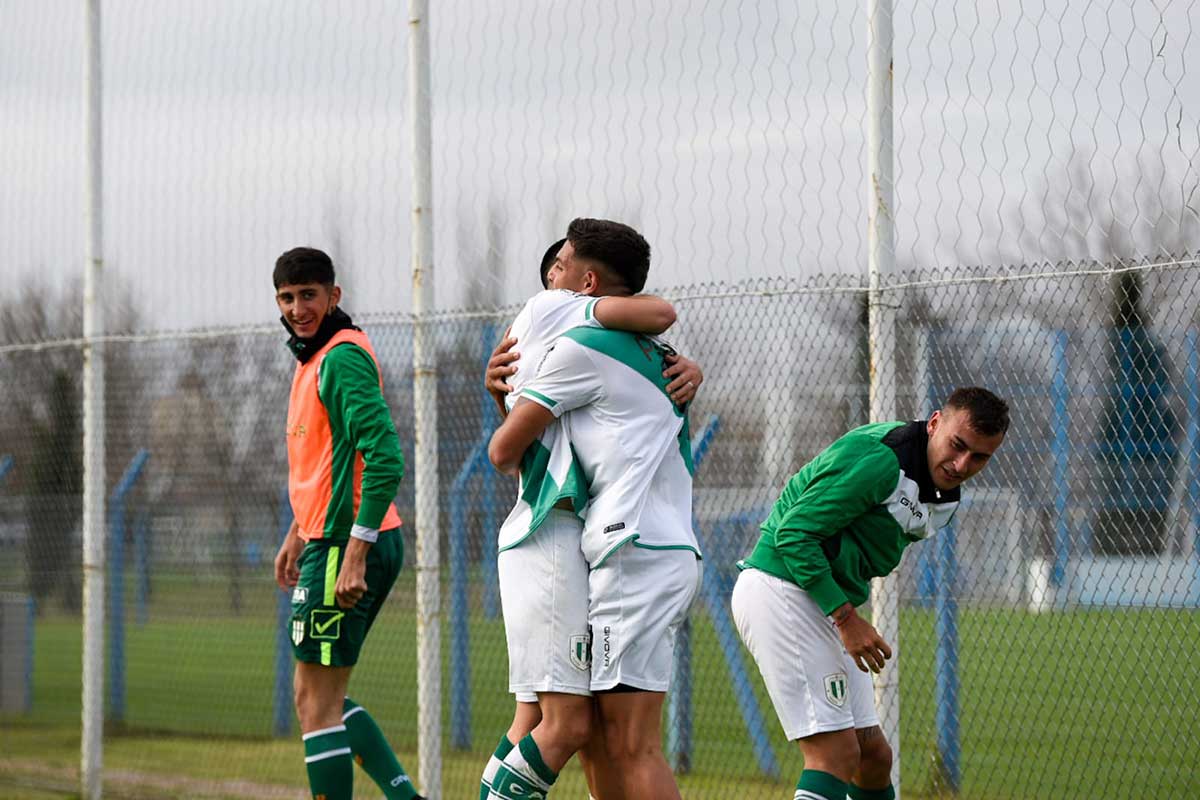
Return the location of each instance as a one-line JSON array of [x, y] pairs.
[[314, 705], [570, 730], [876, 756], [838, 754], [304, 699]]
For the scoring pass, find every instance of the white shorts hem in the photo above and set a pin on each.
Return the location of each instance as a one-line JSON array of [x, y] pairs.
[[828, 727], [543, 688], [640, 685]]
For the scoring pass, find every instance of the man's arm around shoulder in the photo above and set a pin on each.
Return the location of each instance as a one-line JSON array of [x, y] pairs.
[[642, 313], [520, 429]]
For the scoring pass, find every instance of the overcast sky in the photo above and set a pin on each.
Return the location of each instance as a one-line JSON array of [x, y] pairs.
[[732, 134]]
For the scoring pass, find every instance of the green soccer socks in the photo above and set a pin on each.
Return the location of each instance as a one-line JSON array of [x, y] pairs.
[[815, 785], [523, 775], [374, 754], [493, 766], [330, 766], [859, 793]]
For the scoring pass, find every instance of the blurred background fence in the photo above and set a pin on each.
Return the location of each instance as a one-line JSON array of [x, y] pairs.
[[1046, 239]]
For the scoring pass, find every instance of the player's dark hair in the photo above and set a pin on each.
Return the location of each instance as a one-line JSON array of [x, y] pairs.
[[303, 265], [619, 248], [548, 261], [988, 413]]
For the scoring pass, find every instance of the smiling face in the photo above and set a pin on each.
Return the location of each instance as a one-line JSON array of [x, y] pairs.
[[957, 451], [571, 272], [304, 306]]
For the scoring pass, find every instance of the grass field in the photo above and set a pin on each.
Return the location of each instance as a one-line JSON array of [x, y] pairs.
[[1064, 705]]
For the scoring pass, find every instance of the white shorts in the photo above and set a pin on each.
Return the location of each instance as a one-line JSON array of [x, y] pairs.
[[813, 683], [638, 599], [544, 595]]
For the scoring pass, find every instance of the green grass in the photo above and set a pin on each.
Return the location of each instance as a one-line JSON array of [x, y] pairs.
[[1065, 705]]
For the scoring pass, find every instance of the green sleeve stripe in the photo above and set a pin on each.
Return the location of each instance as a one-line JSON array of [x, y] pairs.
[[587, 310], [668, 547], [631, 537], [541, 397], [331, 573]]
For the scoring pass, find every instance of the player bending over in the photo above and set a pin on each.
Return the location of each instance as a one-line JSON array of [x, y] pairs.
[[343, 551], [843, 519]]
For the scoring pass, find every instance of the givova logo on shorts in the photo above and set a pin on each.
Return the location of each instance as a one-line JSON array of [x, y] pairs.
[[581, 651], [835, 689]]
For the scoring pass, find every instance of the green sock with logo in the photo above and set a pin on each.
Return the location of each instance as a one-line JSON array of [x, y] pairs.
[[859, 793], [374, 754], [493, 766], [329, 763], [817, 785], [523, 775]]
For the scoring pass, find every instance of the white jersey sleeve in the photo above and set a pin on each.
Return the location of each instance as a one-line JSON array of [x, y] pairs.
[[547, 316], [567, 379]]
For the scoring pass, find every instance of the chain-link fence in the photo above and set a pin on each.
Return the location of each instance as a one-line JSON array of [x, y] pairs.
[[1046, 232]]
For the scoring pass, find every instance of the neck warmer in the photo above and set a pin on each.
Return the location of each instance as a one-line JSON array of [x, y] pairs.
[[304, 349]]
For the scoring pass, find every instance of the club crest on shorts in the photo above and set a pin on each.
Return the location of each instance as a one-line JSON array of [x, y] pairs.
[[300, 595], [297, 631], [835, 688], [581, 652]]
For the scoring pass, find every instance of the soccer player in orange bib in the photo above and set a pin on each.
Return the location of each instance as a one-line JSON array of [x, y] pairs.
[[343, 551]]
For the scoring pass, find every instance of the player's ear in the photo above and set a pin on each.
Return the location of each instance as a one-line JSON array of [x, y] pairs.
[[934, 419], [591, 282], [335, 296]]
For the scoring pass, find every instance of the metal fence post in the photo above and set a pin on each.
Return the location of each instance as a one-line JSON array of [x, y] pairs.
[[91, 744], [946, 633], [1061, 449], [116, 585], [881, 256], [425, 412], [281, 724], [487, 553]]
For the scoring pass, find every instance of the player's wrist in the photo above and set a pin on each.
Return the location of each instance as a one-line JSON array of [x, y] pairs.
[[842, 615], [364, 534]]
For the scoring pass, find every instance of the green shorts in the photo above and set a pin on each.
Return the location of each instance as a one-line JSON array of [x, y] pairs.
[[323, 633]]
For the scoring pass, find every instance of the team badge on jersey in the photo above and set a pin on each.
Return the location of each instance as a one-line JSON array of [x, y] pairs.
[[297, 631], [581, 652], [835, 689]]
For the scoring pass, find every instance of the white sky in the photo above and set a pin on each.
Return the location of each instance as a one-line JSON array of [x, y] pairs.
[[733, 135]]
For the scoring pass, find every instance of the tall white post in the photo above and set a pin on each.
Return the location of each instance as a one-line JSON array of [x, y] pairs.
[[92, 741], [425, 420], [881, 256]]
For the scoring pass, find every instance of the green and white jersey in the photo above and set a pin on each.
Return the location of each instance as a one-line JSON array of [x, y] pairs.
[[632, 442], [548, 470], [848, 514]]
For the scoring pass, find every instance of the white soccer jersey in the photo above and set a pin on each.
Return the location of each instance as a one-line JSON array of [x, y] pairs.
[[631, 441], [548, 472]]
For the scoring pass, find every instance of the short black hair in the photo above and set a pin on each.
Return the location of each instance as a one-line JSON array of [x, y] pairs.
[[548, 261], [988, 413], [618, 247], [303, 265]]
